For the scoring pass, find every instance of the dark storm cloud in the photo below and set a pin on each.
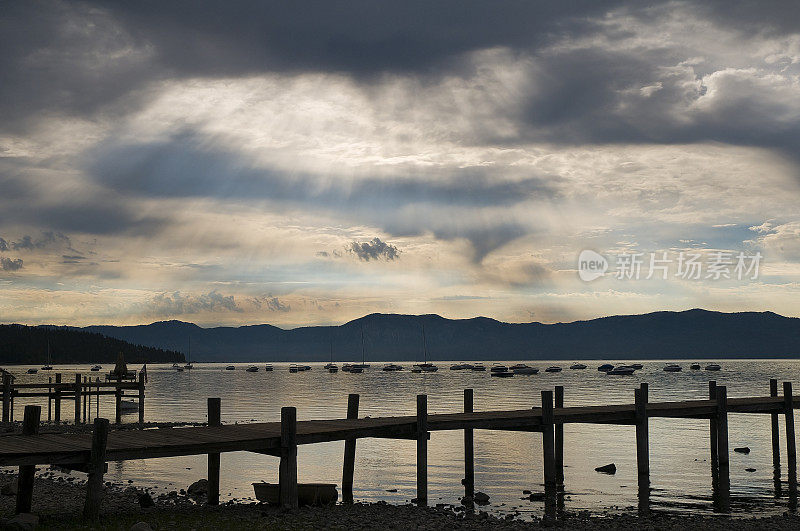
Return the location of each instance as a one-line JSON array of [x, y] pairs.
[[374, 250], [9, 264]]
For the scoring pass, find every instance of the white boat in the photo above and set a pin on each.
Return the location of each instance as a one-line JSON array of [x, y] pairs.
[[425, 366], [713, 367], [188, 366], [621, 370], [526, 370], [294, 368], [518, 366], [230, 368], [268, 367], [695, 366], [553, 368], [330, 366], [577, 366], [47, 366], [252, 368], [672, 367]]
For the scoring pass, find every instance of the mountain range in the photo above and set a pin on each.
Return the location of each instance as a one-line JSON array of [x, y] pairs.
[[390, 337]]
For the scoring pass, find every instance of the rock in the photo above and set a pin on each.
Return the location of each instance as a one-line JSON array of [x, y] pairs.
[[750, 469], [742, 450], [22, 521], [131, 491], [172, 494], [145, 500], [467, 501], [481, 498], [607, 469], [9, 489], [140, 526], [182, 492], [198, 489]]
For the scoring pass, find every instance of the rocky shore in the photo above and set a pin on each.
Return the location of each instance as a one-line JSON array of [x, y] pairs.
[[58, 501]]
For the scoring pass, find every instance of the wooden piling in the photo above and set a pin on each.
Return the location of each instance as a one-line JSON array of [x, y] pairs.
[[349, 462], [96, 469], [642, 438], [791, 451], [77, 399], [776, 435], [57, 399], [548, 449], [214, 419], [288, 466], [141, 401], [117, 405], [712, 394], [724, 482], [558, 439], [49, 400], [422, 450], [30, 426], [6, 397], [469, 448]]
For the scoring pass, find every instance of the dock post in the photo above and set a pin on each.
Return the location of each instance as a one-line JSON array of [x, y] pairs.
[[791, 451], [548, 454], [558, 439], [214, 419], [642, 444], [141, 402], [422, 450], [724, 480], [30, 426], [49, 400], [288, 466], [349, 464], [57, 398], [77, 399], [712, 394], [96, 468], [117, 404], [6, 397], [469, 448], [776, 439], [83, 399]]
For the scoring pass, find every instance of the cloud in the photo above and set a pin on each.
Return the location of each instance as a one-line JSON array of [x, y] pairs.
[[177, 303], [374, 250], [275, 305], [9, 264], [3, 245]]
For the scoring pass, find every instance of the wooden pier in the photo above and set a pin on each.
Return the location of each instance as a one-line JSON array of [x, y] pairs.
[[81, 392], [90, 452]]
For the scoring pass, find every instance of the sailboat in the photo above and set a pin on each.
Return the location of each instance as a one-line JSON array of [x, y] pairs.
[[331, 366], [188, 352], [358, 368], [48, 367], [426, 366]]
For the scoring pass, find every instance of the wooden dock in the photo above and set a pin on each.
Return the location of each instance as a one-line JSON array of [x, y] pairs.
[[90, 452]]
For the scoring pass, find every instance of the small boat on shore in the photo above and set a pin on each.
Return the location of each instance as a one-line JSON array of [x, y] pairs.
[[605, 367], [673, 367], [230, 368], [713, 367], [577, 366], [695, 366], [252, 368], [478, 367], [553, 368]]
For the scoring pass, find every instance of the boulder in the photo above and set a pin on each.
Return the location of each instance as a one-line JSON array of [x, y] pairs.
[[145, 500], [9, 489], [467, 501], [22, 521], [198, 489], [742, 450], [140, 526], [607, 469], [481, 498]]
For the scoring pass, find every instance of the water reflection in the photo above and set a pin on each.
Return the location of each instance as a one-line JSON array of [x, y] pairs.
[[506, 463]]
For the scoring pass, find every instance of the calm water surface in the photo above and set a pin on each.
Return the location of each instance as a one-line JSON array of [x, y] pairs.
[[505, 462]]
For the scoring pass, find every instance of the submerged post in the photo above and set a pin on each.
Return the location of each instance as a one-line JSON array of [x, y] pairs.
[[349, 463], [642, 440], [422, 449], [558, 439], [141, 401], [288, 466], [214, 419], [30, 426], [724, 480], [6, 397], [77, 399], [469, 449], [96, 469], [791, 451]]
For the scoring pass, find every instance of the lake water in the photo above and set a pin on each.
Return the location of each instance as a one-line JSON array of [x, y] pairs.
[[505, 462]]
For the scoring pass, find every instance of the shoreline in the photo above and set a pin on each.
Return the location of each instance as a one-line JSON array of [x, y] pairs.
[[58, 503]]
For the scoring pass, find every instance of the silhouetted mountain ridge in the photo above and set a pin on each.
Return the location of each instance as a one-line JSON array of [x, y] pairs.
[[659, 335]]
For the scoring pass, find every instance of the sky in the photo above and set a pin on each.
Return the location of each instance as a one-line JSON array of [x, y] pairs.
[[301, 163]]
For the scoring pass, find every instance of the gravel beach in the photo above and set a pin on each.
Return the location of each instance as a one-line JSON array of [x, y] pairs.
[[58, 502]]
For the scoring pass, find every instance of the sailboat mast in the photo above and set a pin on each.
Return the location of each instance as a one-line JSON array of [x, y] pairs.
[[362, 344], [424, 344]]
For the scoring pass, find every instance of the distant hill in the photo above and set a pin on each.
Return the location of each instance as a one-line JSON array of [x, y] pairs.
[[21, 344], [659, 335]]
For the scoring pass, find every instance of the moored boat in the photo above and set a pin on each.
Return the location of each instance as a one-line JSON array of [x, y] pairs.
[[390, 367], [637, 366], [673, 367], [695, 366], [478, 367], [577, 366], [252, 368], [713, 367], [230, 368], [605, 367], [553, 368], [498, 367], [268, 367], [96, 368], [502, 374], [460, 367], [525, 370], [32, 371], [621, 370]]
